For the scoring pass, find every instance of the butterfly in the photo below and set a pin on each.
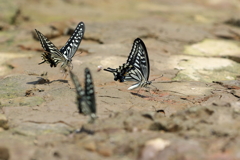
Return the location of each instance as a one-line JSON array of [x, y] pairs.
[[141, 67], [53, 55], [121, 72], [136, 68], [85, 97]]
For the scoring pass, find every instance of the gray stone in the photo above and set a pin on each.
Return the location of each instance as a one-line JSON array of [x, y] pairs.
[[33, 129], [3, 122]]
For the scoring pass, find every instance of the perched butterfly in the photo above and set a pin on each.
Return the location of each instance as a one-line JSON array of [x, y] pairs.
[[141, 70], [85, 97], [136, 68], [53, 56], [121, 72]]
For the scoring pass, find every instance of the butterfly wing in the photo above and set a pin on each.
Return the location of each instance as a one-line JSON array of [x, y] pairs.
[[73, 42], [132, 54], [89, 91], [80, 91], [136, 75], [141, 61], [141, 70], [52, 55], [85, 99]]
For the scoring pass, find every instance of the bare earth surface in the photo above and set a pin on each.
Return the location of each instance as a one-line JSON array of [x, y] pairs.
[[191, 112]]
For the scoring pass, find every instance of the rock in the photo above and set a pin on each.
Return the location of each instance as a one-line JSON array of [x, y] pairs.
[[13, 86], [136, 122], [182, 149], [213, 67], [4, 153], [91, 146], [213, 47], [3, 122], [32, 129], [104, 150], [207, 69], [152, 147], [22, 101]]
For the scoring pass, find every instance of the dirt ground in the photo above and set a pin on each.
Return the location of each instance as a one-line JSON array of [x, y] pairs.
[[190, 113]]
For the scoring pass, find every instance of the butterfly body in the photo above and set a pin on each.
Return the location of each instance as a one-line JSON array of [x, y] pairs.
[[54, 56], [46, 56], [121, 72]]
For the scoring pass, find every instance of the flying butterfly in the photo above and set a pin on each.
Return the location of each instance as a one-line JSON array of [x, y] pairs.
[[53, 55], [121, 72], [85, 97]]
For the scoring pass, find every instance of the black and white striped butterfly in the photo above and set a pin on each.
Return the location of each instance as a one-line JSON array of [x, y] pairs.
[[136, 68], [53, 56], [85, 97], [141, 67], [121, 72]]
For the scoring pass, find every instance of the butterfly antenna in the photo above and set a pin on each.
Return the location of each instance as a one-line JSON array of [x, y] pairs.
[[154, 86], [157, 78]]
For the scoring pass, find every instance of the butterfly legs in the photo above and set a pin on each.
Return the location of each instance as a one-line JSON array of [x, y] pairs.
[[139, 90], [66, 69]]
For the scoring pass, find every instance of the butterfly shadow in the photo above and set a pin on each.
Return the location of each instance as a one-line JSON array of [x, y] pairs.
[[84, 130], [139, 95], [42, 80], [60, 80]]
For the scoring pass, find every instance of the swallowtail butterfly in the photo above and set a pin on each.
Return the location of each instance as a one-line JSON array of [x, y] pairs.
[[85, 97], [141, 70], [136, 68], [53, 56], [121, 72]]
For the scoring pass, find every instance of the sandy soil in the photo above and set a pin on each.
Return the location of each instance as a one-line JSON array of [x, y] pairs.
[[191, 112]]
